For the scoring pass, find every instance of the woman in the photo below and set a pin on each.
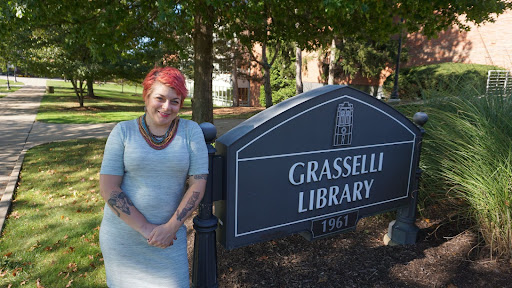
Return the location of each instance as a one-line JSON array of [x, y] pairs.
[[142, 180]]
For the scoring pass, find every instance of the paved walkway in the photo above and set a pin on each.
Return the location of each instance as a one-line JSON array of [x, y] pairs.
[[19, 132]]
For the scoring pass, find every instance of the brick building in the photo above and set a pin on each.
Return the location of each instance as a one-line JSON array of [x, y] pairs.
[[490, 44]]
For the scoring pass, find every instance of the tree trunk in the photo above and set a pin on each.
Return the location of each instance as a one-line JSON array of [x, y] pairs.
[[73, 82], [332, 62], [78, 91], [90, 89], [298, 71], [234, 80], [376, 91], [8, 84], [266, 76], [81, 98], [202, 104]]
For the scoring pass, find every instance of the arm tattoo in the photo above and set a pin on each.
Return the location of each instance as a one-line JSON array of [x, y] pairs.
[[120, 202], [201, 176], [191, 203]]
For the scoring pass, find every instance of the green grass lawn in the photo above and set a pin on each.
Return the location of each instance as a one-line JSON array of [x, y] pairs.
[[113, 103], [52, 231], [106, 86], [3, 86], [109, 105]]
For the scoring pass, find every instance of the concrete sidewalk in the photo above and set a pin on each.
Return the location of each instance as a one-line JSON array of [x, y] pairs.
[[19, 132], [17, 115]]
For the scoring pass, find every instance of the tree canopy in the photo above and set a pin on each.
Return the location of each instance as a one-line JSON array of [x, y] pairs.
[[87, 39]]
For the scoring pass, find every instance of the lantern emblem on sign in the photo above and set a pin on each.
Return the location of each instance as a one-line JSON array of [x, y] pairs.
[[344, 124]]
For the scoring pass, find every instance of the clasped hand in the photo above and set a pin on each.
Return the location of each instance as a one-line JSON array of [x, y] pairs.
[[161, 236]]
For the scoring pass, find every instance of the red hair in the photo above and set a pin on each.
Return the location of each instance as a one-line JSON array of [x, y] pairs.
[[170, 77]]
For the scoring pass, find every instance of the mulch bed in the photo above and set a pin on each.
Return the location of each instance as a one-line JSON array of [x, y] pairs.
[[447, 254]]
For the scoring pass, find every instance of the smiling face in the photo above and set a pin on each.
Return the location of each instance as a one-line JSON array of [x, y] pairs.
[[162, 106]]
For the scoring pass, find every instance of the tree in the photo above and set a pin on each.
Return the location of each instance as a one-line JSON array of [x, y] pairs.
[[282, 74], [89, 34], [10, 45], [366, 58], [203, 63], [195, 22], [332, 62], [299, 88], [309, 24], [376, 21], [79, 39], [268, 24]]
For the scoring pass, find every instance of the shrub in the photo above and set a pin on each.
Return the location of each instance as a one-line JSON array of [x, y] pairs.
[[285, 90], [437, 80], [467, 156]]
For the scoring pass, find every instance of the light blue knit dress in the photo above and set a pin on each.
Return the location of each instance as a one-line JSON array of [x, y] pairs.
[[154, 181]]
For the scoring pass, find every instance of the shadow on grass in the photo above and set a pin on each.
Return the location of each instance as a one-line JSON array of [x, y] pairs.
[[53, 235]]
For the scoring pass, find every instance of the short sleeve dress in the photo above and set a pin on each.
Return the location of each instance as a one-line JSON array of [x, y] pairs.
[[154, 181]]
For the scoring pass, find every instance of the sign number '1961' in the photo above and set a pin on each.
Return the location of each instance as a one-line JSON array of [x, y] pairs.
[[333, 224]]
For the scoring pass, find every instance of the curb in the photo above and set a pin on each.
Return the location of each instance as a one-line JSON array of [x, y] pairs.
[[6, 201]]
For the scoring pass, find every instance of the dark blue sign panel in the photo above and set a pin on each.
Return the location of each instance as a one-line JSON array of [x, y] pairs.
[[315, 163]]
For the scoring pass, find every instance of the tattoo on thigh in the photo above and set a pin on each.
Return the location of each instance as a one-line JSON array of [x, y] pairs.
[[201, 176], [191, 203], [120, 202]]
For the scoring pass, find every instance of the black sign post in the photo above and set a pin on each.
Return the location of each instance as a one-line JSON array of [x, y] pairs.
[[403, 230], [316, 164], [204, 266]]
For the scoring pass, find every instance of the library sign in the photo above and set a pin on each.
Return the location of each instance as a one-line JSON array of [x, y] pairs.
[[314, 164]]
